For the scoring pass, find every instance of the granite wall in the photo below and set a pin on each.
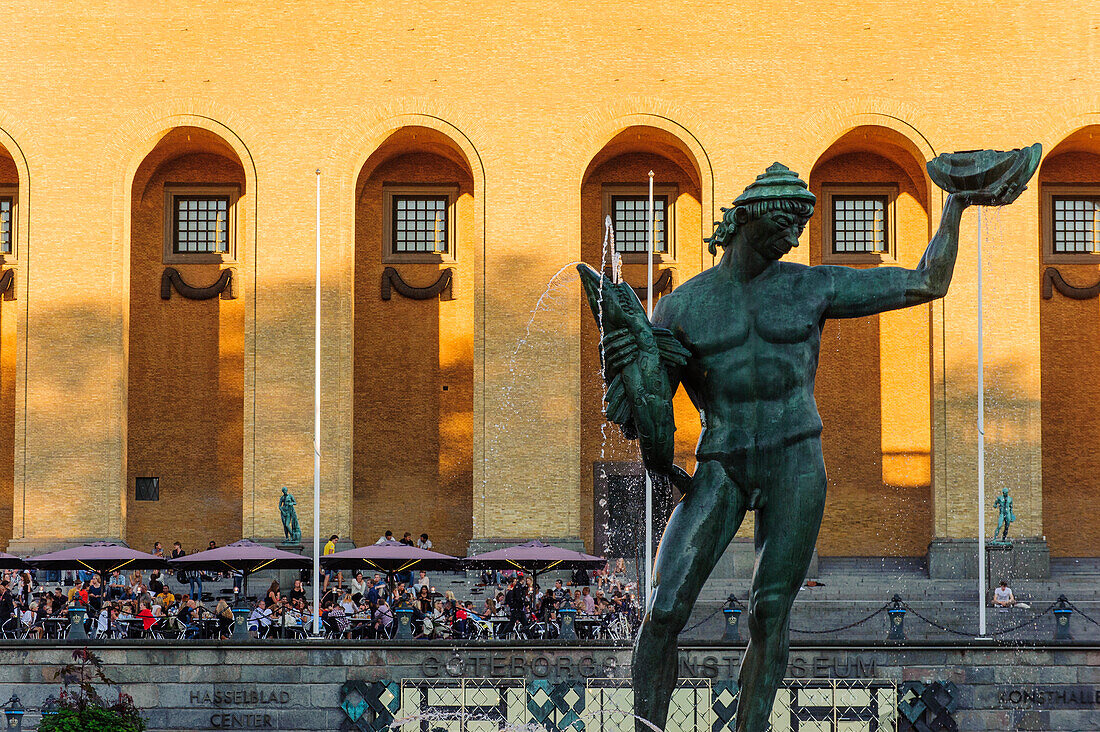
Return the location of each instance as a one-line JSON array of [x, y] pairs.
[[324, 685]]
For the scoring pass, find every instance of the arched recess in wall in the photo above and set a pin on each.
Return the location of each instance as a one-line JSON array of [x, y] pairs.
[[14, 222], [615, 183], [873, 381], [1069, 216], [190, 241], [415, 252]]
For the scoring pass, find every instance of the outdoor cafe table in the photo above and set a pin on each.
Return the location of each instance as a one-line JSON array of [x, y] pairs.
[[55, 627], [498, 623], [587, 625], [288, 626], [208, 627], [361, 625]]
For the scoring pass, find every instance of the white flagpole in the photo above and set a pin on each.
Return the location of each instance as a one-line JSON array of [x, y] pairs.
[[981, 445], [648, 479], [317, 423]]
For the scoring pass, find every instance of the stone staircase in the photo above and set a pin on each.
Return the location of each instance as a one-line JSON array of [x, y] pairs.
[[849, 590]]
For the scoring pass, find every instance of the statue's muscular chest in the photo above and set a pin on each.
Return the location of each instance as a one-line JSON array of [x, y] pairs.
[[753, 317]]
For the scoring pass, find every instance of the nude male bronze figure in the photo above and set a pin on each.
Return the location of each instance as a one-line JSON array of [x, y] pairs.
[[743, 338]]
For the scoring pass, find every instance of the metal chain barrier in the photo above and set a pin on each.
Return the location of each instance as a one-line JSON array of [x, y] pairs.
[[843, 627], [1081, 612], [696, 625], [1003, 631], [909, 608], [945, 629], [1035, 617]]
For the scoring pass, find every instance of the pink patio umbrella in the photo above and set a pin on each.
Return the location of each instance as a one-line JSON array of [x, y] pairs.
[[10, 561], [390, 557], [535, 557], [103, 557], [244, 556]]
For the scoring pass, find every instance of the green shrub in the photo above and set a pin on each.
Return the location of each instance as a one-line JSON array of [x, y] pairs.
[[92, 719], [82, 708]]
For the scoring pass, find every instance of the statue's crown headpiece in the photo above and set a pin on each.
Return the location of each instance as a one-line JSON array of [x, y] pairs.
[[778, 181]]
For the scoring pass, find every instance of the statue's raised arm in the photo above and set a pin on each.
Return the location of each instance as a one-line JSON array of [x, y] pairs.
[[985, 177]]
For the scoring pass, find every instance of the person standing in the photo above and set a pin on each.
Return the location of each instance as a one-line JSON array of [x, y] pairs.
[[331, 574]]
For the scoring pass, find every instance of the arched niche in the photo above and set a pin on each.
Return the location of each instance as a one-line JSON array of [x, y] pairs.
[[13, 222], [412, 433], [185, 379], [1069, 340], [873, 381], [610, 477]]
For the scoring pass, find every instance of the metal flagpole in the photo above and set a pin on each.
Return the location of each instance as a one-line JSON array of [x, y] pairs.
[[981, 445], [648, 479], [317, 423]]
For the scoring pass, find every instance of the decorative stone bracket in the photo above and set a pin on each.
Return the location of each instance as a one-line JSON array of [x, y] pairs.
[[1052, 280], [7, 284], [661, 285], [391, 280], [172, 278]]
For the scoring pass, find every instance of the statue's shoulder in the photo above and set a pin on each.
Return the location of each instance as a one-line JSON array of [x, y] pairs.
[[698, 282], [806, 276], [685, 293], [802, 270]]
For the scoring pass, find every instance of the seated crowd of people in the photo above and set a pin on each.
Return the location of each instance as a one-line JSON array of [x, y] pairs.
[[514, 606], [367, 606]]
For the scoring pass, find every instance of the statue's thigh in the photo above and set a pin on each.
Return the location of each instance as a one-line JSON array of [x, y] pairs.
[[788, 523], [698, 532]]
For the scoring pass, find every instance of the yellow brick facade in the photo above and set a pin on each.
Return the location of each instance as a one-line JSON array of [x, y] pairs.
[[530, 113]]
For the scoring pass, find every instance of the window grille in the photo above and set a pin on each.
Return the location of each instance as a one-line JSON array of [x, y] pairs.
[[631, 217], [201, 225], [6, 207], [419, 224], [859, 224], [146, 489], [1076, 224]]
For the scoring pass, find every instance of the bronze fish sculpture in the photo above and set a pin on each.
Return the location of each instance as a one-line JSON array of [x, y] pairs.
[[636, 357]]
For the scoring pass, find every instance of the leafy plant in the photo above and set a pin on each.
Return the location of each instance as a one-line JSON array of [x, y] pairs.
[[93, 719], [81, 708]]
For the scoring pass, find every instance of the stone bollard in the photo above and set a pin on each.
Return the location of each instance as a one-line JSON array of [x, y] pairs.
[[404, 623], [240, 623], [1061, 619], [732, 630], [76, 623], [567, 616]]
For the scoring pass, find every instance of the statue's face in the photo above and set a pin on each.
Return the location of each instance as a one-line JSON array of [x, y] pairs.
[[775, 233]]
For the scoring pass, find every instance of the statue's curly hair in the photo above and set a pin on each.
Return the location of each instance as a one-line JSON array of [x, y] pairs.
[[725, 229]]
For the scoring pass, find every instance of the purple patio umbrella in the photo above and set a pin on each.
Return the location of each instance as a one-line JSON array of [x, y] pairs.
[[535, 557], [103, 557], [242, 556], [10, 561], [389, 557]]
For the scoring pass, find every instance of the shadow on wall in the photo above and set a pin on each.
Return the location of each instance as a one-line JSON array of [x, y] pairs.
[[66, 473], [413, 380], [873, 381], [1069, 343], [618, 176], [185, 421], [9, 344]]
